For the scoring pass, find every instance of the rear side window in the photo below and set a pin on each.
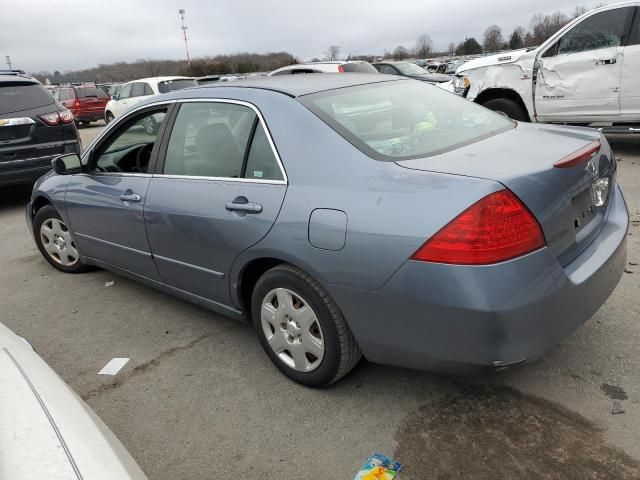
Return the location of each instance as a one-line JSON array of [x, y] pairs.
[[179, 84], [23, 96], [403, 119], [90, 92], [602, 30], [359, 67], [137, 90], [214, 139]]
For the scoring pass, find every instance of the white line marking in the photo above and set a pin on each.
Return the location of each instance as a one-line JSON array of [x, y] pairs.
[[114, 366]]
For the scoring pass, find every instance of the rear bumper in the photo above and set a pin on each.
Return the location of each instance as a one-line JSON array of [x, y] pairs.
[[28, 170], [459, 319], [92, 116]]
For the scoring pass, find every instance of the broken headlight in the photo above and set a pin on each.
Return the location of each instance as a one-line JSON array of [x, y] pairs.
[[461, 85]]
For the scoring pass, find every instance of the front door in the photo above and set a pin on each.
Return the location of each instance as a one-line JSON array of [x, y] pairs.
[[578, 77], [105, 205], [218, 191], [630, 83]]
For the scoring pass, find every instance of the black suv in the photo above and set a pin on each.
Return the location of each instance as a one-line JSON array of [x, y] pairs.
[[33, 129]]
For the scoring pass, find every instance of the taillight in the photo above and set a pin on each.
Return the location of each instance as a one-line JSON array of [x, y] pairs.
[[56, 118], [580, 156], [496, 228], [50, 119], [66, 116], [340, 69]]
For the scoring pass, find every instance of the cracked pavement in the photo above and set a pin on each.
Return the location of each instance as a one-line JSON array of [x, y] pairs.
[[199, 399]]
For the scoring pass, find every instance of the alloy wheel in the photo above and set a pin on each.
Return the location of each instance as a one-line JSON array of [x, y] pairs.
[[58, 243], [292, 330]]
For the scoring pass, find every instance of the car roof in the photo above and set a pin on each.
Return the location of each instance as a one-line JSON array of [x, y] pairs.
[[16, 76], [305, 84]]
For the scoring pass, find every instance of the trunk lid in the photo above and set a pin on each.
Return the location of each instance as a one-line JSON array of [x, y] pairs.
[[522, 159], [91, 100]]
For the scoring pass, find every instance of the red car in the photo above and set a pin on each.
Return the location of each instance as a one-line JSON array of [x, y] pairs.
[[86, 103]]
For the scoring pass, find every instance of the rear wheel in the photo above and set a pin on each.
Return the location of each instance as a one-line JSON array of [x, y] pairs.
[[55, 242], [507, 107], [108, 117], [301, 328]]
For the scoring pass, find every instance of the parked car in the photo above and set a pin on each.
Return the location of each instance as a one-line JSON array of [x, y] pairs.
[[355, 66], [411, 70], [87, 103], [587, 72], [134, 92], [46, 430], [349, 214], [33, 129]]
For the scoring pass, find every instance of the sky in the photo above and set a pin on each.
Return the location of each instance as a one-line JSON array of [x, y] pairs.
[[69, 35]]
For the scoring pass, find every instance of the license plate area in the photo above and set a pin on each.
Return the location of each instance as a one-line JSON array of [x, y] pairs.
[[582, 209]]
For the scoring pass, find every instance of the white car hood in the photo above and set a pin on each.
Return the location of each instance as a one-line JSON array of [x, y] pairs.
[[46, 430], [499, 59]]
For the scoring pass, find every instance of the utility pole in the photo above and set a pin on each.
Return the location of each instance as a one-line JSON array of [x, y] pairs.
[[184, 29], [8, 59]]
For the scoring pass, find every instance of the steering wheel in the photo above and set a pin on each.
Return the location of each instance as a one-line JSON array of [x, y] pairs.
[[142, 157]]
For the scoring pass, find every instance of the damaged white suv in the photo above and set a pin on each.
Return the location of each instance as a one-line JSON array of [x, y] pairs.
[[587, 73]]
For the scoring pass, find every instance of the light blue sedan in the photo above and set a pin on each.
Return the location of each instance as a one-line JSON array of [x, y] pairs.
[[348, 215]]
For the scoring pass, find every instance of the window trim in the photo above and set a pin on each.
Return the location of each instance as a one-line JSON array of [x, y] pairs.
[[159, 166]]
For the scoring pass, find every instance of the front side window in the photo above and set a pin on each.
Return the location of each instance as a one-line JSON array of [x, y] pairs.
[[222, 140], [602, 30], [403, 120], [128, 150], [125, 92]]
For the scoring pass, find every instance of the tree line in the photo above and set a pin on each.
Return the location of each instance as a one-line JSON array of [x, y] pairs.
[[238, 63]]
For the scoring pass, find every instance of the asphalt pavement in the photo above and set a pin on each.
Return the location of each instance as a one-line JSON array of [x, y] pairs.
[[200, 400]]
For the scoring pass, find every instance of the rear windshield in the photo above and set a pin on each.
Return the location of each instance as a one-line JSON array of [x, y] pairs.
[[404, 119], [15, 97], [170, 85], [359, 67], [87, 92]]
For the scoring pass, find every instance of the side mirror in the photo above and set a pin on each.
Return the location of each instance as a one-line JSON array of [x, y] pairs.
[[114, 97], [69, 164]]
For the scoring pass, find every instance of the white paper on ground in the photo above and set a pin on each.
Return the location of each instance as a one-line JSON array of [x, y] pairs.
[[114, 366]]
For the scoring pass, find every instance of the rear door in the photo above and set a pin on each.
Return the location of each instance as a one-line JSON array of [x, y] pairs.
[[217, 191], [26, 141], [105, 205], [578, 78], [630, 80]]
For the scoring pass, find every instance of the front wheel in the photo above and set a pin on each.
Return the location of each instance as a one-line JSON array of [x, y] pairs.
[[301, 328], [55, 242], [507, 107], [108, 117]]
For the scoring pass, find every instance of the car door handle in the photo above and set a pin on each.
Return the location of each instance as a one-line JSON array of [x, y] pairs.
[[247, 207], [610, 61], [130, 197]]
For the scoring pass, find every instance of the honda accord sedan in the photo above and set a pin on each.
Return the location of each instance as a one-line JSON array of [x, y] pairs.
[[346, 216]]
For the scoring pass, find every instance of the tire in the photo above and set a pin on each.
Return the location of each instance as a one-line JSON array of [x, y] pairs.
[[55, 242], [150, 125], [108, 117], [327, 327], [509, 107], [85, 123]]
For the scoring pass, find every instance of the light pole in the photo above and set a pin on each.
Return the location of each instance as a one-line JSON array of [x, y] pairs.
[[184, 29], [8, 59]]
